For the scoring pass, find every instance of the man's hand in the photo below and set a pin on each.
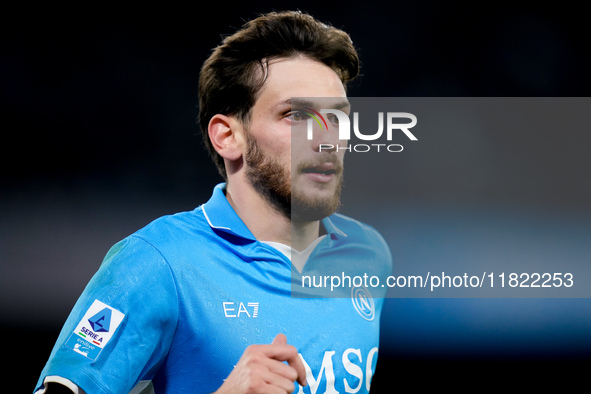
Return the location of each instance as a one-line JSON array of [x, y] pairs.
[[261, 369]]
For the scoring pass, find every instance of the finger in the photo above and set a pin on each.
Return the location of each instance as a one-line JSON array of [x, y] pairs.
[[280, 339], [281, 382], [282, 369], [278, 351], [297, 364], [288, 353]]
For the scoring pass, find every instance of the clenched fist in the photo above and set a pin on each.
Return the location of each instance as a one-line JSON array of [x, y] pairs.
[[261, 369]]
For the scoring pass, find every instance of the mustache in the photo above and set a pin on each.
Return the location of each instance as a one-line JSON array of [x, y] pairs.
[[323, 161]]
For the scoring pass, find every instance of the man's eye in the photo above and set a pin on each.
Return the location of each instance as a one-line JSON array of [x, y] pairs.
[[332, 118], [297, 116]]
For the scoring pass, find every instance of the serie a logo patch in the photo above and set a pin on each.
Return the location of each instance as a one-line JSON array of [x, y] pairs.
[[95, 330]]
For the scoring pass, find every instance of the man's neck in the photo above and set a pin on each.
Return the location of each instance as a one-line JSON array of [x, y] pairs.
[[266, 222], [303, 234]]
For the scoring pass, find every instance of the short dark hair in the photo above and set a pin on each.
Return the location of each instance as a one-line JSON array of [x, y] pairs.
[[232, 76]]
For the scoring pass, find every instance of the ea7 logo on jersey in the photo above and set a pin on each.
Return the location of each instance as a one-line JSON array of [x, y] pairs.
[[238, 309]]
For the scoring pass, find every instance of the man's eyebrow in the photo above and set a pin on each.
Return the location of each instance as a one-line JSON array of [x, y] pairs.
[[297, 103]]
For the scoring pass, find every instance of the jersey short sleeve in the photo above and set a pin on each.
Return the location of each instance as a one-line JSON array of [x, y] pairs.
[[121, 328]]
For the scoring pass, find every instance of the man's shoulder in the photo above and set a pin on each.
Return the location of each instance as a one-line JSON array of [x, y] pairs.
[[155, 240], [174, 227]]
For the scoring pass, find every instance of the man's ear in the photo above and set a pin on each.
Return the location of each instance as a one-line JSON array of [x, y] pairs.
[[225, 136]]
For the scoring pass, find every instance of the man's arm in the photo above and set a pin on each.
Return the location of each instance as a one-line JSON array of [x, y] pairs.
[[123, 283], [56, 388], [261, 369]]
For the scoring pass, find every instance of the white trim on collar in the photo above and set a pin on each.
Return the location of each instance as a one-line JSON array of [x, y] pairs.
[[209, 221]]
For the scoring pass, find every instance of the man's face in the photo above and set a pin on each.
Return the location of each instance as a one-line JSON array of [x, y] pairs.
[[281, 163]]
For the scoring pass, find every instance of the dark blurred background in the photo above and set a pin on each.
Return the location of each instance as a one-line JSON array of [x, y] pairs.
[[99, 108]]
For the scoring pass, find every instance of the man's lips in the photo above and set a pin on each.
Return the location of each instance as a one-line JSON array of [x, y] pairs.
[[323, 168], [322, 172]]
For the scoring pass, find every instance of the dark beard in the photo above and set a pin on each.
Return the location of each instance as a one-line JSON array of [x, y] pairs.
[[306, 209], [268, 177], [272, 182]]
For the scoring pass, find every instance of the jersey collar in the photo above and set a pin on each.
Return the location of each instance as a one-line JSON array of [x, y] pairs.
[[331, 229], [221, 216]]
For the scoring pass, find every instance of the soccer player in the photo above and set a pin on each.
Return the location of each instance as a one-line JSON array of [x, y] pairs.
[[202, 301]]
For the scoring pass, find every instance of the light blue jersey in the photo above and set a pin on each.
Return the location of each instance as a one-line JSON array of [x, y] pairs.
[[180, 300]]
